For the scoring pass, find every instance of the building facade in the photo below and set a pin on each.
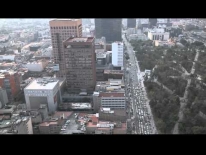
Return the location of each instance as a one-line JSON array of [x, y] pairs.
[[131, 23], [111, 29], [112, 100], [10, 81], [117, 54], [36, 66], [43, 91], [158, 34], [80, 64], [61, 29]]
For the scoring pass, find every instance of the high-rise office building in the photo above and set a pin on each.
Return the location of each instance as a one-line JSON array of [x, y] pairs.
[[110, 28], [61, 29], [80, 64], [131, 23]]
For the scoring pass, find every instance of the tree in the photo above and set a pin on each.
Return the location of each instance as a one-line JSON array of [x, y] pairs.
[[161, 125]]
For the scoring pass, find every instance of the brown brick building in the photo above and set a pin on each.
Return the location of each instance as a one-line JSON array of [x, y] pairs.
[[61, 29], [79, 55], [10, 80]]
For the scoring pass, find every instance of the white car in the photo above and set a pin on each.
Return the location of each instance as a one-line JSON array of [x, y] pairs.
[[63, 129], [68, 121]]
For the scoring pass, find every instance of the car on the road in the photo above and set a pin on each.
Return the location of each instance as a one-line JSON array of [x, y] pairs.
[[68, 121]]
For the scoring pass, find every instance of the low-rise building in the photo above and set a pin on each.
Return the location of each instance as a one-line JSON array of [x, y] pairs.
[[16, 125], [36, 66], [141, 36], [158, 34], [8, 65], [120, 128], [113, 100], [113, 74], [54, 124], [106, 114], [163, 43], [7, 57]]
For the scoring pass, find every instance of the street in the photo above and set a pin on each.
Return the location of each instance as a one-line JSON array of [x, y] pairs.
[[138, 107]]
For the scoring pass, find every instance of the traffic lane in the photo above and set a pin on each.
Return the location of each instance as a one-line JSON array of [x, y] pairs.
[[134, 79]]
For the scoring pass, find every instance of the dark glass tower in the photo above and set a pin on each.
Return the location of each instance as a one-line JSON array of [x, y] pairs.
[[131, 23], [110, 28], [152, 22]]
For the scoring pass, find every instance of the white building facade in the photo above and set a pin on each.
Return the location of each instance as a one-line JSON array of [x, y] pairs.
[[158, 34], [113, 100], [117, 54], [43, 91], [36, 66], [7, 57]]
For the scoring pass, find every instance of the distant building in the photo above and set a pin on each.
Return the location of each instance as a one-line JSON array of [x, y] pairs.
[[80, 64], [43, 91], [138, 37], [158, 34], [131, 23], [117, 54], [7, 57], [3, 97], [36, 66], [163, 43], [152, 22], [34, 48], [110, 28], [61, 29]]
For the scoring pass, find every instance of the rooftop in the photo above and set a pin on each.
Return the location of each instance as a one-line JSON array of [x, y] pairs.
[[43, 83], [113, 72], [82, 39], [81, 105], [58, 114], [6, 72]]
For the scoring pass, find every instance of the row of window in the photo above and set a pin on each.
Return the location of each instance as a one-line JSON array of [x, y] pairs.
[[64, 27]]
